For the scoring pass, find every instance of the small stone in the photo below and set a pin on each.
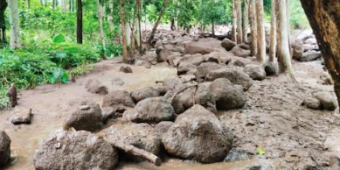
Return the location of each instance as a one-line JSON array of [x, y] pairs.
[[125, 69]]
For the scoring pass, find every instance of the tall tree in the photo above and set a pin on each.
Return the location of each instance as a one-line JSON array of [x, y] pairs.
[[3, 6], [324, 18], [14, 23], [110, 17], [123, 29], [165, 3], [272, 47], [253, 27], [79, 22], [100, 5], [239, 21], [245, 21], [261, 41], [234, 22]]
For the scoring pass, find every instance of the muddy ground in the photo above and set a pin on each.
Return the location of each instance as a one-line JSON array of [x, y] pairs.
[[291, 135]]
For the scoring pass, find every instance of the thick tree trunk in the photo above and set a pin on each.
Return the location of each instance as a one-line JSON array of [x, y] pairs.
[[245, 21], [122, 21], [100, 23], [14, 23], [165, 3], [272, 48], [79, 22], [324, 18], [261, 40], [253, 27], [234, 22], [239, 21]]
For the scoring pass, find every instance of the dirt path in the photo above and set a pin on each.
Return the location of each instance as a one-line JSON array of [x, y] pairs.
[[273, 118]]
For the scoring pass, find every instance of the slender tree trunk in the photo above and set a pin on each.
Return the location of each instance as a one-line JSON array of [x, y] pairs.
[[100, 23], [14, 23], [272, 48], [139, 25], [79, 22], [234, 22], [123, 29], [213, 27], [28, 3], [110, 17], [132, 46], [245, 21], [324, 19], [3, 6], [165, 3], [239, 21], [253, 27], [261, 40]]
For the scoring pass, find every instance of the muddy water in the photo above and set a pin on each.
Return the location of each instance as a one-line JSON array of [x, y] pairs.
[[52, 103]]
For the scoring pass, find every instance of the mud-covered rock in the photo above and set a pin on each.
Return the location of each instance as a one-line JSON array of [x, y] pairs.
[[298, 49], [95, 86], [163, 127], [312, 103], [119, 101], [203, 70], [151, 110], [236, 155], [143, 93], [117, 81], [228, 44], [125, 69], [326, 100], [271, 68], [197, 134], [22, 118], [256, 72], [200, 94], [240, 51], [220, 57], [227, 95], [75, 150], [141, 135], [5, 149], [163, 55], [239, 61], [186, 68], [232, 74], [174, 84], [87, 117]]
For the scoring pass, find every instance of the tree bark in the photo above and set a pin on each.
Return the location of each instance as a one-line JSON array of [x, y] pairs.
[[324, 18], [253, 27], [110, 17], [100, 23], [14, 24], [79, 22], [239, 21], [261, 40], [245, 21], [165, 3], [123, 29], [234, 22], [272, 48], [3, 6]]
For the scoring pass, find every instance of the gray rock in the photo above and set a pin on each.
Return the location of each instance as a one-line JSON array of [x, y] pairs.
[[22, 118], [143, 93], [228, 44], [125, 69], [298, 49], [312, 103], [236, 155], [240, 51], [75, 150], [151, 110], [326, 100], [163, 127], [310, 56], [205, 68], [95, 86], [271, 68], [119, 101], [117, 81], [226, 95], [5, 149], [198, 135], [256, 72]]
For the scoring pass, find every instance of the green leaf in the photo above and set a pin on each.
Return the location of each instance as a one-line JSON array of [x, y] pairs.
[[260, 151], [59, 38], [60, 54], [65, 78]]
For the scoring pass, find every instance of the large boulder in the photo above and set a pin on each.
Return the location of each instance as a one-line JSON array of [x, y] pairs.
[[198, 135], [298, 49], [232, 74], [227, 95], [143, 93], [141, 135], [228, 44], [194, 95], [96, 87], [326, 100], [256, 72], [312, 103], [310, 56], [174, 84], [87, 117], [5, 149], [203, 46], [186, 68], [75, 150], [239, 61], [221, 57], [240, 51], [151, 110], [119, 101], [203, 70], [195, 59]]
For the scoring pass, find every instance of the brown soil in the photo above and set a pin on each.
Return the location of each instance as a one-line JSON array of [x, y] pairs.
[[291, 135]]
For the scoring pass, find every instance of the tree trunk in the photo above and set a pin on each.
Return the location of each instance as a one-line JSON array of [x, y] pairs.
[[234, 21], [3, 6], [253, 27], [41, 3], [110, 17], [261, 39], [272, 48], [14, 23], [213, 27], [133, 37], [28, 3], [100, 23], [239, 21], [165, 3], [123, 29], [139, 25], [245, 21], [324, 18], [79, 22]]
